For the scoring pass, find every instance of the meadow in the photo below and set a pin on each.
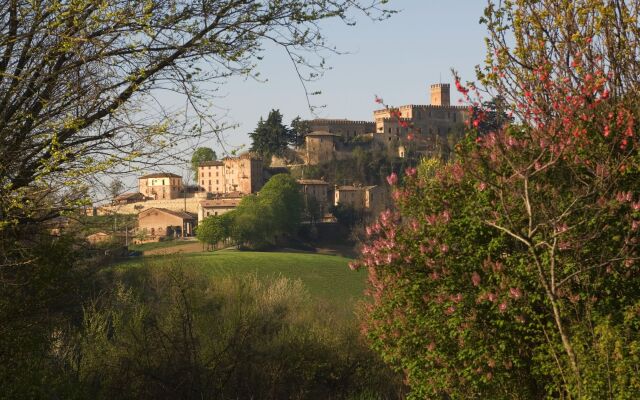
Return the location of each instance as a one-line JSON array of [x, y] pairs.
[[325, 277]]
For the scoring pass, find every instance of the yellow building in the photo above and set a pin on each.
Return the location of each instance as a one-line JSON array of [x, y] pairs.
[[160, 186], [232, 174]]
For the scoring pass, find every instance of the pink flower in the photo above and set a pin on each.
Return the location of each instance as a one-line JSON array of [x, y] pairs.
[[378, 100], [481, 186], [492, 297], [475, 279], [502, 307], [515, 293], [410, 171], [392, 179], [431, 346]]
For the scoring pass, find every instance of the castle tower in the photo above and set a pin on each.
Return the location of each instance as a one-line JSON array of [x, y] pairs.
[[440, 95]]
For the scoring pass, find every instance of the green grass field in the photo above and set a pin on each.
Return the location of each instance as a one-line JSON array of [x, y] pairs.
[[158, 245], [325, 277]]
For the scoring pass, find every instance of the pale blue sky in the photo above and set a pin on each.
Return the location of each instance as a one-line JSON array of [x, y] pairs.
[[396, 59]]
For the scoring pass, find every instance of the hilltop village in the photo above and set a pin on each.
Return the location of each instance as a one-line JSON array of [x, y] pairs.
[[167, 207]]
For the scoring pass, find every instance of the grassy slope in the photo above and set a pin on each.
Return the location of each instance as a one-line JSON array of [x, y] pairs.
[[326, 277], [158, 245]]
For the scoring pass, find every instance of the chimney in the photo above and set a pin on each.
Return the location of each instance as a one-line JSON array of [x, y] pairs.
[[440, 95]]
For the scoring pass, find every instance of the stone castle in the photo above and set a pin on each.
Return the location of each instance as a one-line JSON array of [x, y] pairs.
[[425, 129]]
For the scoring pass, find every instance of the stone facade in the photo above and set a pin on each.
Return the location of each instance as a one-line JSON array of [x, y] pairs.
[[316, 189], [320, 147], [362, 198], [435, 126], [233, 174], [160, 186]]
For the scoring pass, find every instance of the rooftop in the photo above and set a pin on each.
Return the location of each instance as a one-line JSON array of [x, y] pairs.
[[212, 163], [312, 182], [180, 214], [160, 175]]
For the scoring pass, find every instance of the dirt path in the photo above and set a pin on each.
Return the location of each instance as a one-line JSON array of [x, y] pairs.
[[195, 247]]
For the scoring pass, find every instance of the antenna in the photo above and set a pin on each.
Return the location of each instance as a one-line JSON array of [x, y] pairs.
[[440, 77]]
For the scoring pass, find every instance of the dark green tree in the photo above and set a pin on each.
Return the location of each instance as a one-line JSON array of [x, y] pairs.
[[299, 129], [271, 217], [199, 156], [271, 137]]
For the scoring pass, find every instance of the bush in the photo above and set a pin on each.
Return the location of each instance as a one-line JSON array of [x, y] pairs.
[[170, 333]]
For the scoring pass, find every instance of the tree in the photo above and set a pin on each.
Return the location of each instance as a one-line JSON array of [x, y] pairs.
[[200, 155], [272, 216], [299, 129], [215, 229], [271, 137], [115, 188], [513, 271]]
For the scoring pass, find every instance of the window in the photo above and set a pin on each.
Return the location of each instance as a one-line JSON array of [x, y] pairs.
[[209, 174], [203, 182]]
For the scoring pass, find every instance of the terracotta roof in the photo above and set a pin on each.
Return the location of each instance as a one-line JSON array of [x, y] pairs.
[[160, 175], [312, 182], [220, 203], [353, 188], [125, 196], [212, 163], [180, 214]]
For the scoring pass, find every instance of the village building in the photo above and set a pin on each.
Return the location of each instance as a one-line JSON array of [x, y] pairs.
[[362, 198], [232, 174], [217, 206], [128, 198], [316, 189], [157, 223], [320, 147], [160, 186]]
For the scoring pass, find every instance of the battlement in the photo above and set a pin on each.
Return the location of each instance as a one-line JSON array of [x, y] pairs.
[[423, 107], [440, 85], [338, 121]]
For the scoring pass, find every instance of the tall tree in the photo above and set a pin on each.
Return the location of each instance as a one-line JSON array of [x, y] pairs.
[[299, 129], [271, 137], [199, 156]]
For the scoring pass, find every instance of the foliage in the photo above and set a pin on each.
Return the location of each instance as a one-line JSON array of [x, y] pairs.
[[299, 129], [271, 137], [200, 155], [215, 228], [513, 272], [116, 187], [346, 215], [174, 334], [271, 217]]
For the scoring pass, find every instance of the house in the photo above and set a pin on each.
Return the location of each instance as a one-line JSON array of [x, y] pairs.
[[127, 198], [317, 189], [218, 206], [161, 222], [160, 186], [364, 198], [232, 174]]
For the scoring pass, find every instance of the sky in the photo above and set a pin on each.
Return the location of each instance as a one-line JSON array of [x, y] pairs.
[[396, 59]]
